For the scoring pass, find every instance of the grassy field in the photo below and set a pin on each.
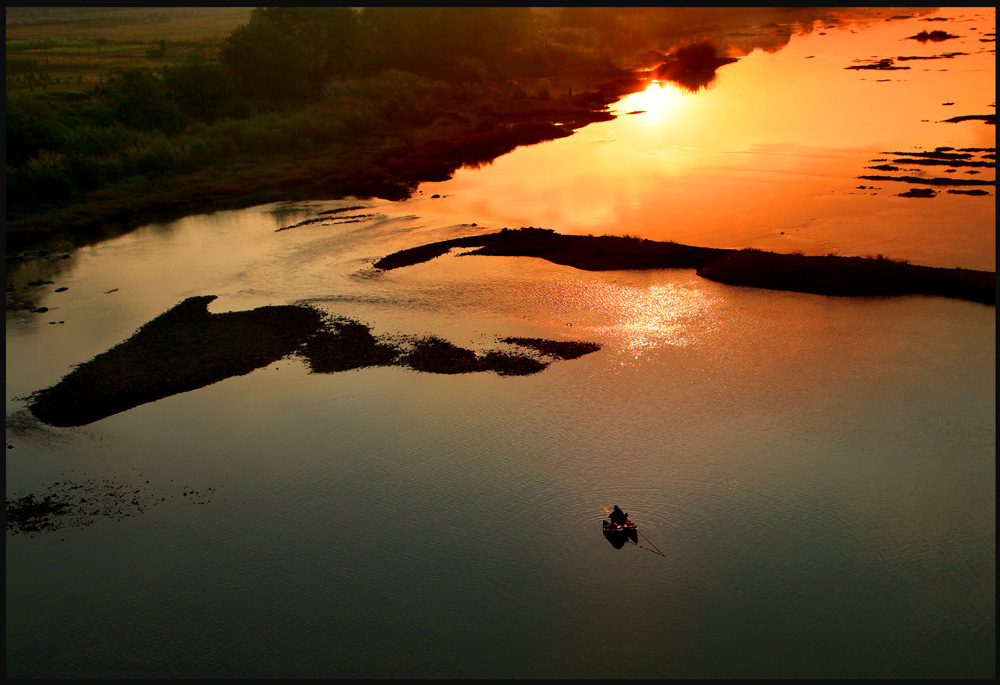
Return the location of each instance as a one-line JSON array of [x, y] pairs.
[[74, 48]]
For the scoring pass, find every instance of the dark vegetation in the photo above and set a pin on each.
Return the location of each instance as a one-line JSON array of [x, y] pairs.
[[187, 348], [558, 349], [850, 276], [946, 55], [120, 116], [68, 504], [934, 36], [363, 86], [935, 181], [884, 64], [829, 275], [949, 157], [918, 192], [693, 65], [985, 118], [287, 83]]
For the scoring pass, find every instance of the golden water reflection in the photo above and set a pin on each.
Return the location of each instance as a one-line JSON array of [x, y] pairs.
[[660, 100], [770, 154], [671, 312]]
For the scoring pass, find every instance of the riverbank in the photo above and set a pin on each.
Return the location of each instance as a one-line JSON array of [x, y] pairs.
[[387, 165], [823, 275]]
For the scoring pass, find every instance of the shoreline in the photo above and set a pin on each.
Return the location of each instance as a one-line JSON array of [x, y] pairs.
[[388, 167]]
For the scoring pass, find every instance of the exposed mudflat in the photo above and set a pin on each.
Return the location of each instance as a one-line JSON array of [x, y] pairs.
[[969, 161], [830, 275], [187, 347]]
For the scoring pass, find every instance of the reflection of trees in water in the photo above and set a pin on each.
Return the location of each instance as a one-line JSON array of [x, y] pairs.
[[693, 66], [739, 31], [697, 41]]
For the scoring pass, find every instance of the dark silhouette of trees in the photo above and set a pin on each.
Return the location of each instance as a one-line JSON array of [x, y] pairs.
[[286, 53], [31, 126], [434, 40], [271, 65], [289, 53], [692, 66], [204, 90], [138, 99]]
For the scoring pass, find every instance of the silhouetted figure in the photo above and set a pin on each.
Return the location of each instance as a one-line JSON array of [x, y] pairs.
[[618, 517], [619, 530]]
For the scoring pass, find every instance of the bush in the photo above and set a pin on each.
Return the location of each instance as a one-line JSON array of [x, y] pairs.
[[138, 99], [20, 65], [204, 90], [46, 178], [99, 140]]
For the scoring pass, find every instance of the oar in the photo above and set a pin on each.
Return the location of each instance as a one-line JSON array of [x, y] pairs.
[[655, 549]]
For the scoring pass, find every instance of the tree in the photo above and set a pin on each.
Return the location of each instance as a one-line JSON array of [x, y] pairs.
[[202, 89], [31, 127], [287, 53], [430, 40], [328, 35], [138, 99]]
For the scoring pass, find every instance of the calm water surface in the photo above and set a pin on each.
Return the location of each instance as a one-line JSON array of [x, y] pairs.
[[814, 476]]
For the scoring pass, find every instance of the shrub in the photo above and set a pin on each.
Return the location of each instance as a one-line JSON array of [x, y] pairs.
[[46, 177], [139, 100], [31, 128]]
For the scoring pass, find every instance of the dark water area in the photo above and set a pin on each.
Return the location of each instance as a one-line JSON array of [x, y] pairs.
[[363, 491]]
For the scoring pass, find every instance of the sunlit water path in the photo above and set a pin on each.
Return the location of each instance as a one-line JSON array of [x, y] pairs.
[[818, 472]]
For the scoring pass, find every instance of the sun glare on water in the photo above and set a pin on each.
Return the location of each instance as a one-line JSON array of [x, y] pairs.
[[660, 101]]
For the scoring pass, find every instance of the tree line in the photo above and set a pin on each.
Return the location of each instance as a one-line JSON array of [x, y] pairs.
[[366, 68]]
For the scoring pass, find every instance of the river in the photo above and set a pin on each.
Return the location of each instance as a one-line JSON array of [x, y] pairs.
[[813, 477]]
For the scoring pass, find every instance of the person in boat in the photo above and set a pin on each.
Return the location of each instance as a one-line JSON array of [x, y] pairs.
[[618, 517]]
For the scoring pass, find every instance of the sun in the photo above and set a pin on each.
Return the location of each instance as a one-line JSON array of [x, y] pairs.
[[659, 100]]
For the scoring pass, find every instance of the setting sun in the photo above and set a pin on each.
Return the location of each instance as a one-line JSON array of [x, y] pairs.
[[658, 101]]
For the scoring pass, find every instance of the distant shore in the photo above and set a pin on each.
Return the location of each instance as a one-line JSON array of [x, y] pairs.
[[824, 275]]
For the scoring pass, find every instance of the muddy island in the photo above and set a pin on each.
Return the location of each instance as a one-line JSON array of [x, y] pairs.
[[187, 347], [829, 275]]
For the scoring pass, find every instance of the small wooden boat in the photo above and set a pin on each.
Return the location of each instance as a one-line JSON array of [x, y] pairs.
[[623, 528], [618, 535]]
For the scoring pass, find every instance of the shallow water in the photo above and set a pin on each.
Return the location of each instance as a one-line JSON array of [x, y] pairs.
[[818, 473]]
